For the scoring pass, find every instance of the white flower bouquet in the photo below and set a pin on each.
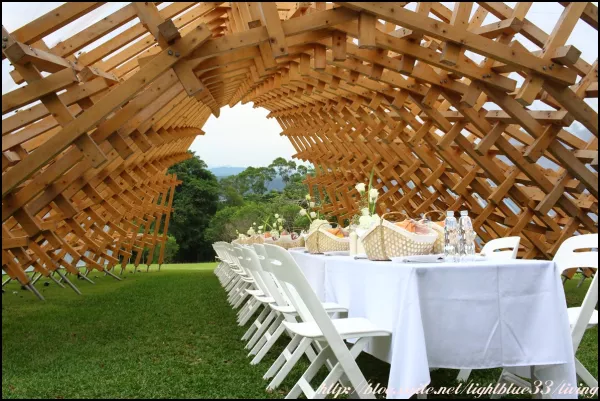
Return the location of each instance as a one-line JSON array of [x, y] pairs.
[[367, 205]]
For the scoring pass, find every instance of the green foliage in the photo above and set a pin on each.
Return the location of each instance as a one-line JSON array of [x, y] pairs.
[[209, 210], [195, 203], [171, 249], [245, 200]]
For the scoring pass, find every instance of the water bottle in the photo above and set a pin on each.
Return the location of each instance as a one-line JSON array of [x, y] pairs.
[[451, 238], [466, 236]]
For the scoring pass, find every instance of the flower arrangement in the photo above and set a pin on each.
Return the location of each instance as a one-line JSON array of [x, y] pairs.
[[367, 204], [272, 226], [314, 216]]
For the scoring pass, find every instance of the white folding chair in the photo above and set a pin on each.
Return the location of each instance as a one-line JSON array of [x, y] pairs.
[[318, 326], [253, 289], [497, 249], [502, 248], [242, 285], [284, 311], [570, 256], [258, 300]]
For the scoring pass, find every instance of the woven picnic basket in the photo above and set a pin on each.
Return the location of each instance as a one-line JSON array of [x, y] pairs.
[[288, 244], [438, 246], [386, 240], [257, 239], [321, 241]]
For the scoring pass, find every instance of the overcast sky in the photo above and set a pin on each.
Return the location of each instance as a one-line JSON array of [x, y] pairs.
[[243, 136]]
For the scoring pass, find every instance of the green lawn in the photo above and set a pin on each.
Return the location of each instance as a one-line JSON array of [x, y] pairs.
[[167, 334]]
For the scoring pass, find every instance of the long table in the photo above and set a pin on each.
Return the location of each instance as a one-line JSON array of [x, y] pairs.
[[473, 315]]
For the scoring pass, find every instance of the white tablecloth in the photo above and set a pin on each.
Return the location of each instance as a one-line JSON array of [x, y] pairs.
[[487, 314]]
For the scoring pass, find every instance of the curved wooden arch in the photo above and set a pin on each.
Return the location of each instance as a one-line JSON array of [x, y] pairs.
[[401, 88]]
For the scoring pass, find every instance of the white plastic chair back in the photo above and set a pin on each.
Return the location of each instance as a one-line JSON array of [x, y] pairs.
[[567, 257], [221, 251], [492, 249], [239, 252], [265, 284], [299, 291], [267, 270], [230, 256]]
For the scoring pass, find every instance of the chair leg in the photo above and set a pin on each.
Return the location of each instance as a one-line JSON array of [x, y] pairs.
[[264, 325], [335, 375], [463, 375], [536, 395], [310, 373], [260, 353], [290, 362], [257, 324], [585, 375], [507, 377], [250, 312]]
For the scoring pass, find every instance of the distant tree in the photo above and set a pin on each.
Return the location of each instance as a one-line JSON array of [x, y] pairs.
[[195, 203], [229, 192], [284, 168], [255, 179]]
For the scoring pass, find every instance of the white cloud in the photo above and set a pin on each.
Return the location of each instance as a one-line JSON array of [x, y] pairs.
[[242, 136]]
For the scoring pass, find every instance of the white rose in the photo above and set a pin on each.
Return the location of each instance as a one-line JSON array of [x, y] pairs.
[[365, 212], [313, 215], [260, 231], [361, 187], [280, 228], [307, 197], [261, 227], [312, 204], [302, 212], [279, 220], [254, 223], [276, 216], [373, 194]]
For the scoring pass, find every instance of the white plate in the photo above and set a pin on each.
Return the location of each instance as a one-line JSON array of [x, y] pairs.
[[419, 259], [298, 248], [337, 253]]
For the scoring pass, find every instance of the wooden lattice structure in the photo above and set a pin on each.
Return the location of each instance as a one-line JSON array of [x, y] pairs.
[[406, 89]]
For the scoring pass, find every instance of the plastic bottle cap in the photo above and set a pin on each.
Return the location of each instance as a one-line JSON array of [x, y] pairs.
[[450, 214], [464, 213]]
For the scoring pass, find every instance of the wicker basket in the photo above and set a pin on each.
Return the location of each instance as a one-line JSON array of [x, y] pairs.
[[386, 240], [321, 241], [257, 239], [287, 244], [438, 246]]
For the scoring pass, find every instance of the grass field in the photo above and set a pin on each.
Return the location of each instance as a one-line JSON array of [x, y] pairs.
[[167, 334]]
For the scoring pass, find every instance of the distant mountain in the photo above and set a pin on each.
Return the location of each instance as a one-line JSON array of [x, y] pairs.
[[277, 184], [226, 171]]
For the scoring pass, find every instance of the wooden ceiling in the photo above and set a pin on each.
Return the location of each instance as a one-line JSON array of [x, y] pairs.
[[447, 105]]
